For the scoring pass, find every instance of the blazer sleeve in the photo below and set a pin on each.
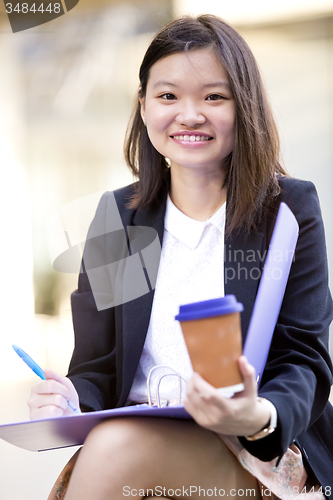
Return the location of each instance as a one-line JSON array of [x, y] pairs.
[[298, 373], [92, 367]]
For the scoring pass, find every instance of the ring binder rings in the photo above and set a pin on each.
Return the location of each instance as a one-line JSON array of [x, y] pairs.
[[173, 374]]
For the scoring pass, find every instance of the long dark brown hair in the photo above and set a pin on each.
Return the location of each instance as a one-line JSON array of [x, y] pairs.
[[254, 162]]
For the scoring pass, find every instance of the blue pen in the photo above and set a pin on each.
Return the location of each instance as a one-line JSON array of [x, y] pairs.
[[37, 369]]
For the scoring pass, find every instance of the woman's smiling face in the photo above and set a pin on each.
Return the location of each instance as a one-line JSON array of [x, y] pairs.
[[189, 109]]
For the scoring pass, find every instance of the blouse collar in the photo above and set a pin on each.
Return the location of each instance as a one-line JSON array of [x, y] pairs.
[[189, 231]]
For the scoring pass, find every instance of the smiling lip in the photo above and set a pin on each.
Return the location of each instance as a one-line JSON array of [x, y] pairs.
[[193, 138]]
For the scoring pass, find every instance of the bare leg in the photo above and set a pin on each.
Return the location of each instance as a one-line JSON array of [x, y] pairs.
[[135, 457]]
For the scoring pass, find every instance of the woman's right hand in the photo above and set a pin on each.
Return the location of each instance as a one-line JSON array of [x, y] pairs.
[[49, 397]]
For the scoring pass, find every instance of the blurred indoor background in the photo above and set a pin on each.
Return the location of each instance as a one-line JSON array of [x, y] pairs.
[[66, 93]]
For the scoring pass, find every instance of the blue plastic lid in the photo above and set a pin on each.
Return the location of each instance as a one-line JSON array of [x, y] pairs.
[[209, 308]]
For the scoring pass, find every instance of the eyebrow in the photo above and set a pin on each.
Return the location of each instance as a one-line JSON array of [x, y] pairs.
[[219, 83]]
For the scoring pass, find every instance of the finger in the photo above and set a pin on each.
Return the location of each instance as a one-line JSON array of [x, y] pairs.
[[195, 410], [51, 386], [66, 382], [188, 405], [46, 412], [200, 386], [207, 393], [50, 374], [194, 390], [42, 400], [193, 397], [248, 373], [203, 401]]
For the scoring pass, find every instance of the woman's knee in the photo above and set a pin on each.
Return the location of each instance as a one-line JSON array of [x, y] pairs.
[[112, 436], [108, 460], [134, 439]]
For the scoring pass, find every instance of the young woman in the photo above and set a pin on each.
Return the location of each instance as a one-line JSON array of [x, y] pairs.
[[205, 149]]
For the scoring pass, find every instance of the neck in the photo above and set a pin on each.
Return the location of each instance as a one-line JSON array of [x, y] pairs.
[[197, 194]]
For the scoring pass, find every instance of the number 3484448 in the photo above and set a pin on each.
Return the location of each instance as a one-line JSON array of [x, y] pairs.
[[24, 8]]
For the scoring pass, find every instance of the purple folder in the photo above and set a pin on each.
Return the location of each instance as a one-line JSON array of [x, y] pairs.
[[51, 433], [271, 289], [61, 432]]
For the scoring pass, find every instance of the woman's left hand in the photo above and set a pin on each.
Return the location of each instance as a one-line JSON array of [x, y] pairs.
[[241, 415]]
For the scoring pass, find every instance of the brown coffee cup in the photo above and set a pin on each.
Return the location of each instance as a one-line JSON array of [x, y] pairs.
[[212, 332]]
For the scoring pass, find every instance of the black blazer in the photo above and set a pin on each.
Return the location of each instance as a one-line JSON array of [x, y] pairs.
[[298, 373]]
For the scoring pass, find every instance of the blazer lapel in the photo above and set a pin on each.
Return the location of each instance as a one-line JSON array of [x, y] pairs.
[[145, 235]]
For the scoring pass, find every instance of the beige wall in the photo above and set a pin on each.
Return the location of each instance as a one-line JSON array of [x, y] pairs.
[[245, 12]]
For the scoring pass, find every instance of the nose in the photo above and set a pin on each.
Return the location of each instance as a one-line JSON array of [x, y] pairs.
[[190, 114]]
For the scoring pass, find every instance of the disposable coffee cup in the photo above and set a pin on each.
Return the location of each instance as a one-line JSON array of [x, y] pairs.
[[212, 332]]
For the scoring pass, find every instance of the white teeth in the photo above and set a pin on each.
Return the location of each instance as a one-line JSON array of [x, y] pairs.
[[191, 138]]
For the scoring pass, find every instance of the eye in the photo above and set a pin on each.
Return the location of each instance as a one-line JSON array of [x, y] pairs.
[[214, 97], [167, 96]]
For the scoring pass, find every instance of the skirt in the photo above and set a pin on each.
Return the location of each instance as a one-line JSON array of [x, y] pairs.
[[287, 481]]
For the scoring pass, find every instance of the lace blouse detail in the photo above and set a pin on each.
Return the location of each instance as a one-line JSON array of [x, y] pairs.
[[287, 481]]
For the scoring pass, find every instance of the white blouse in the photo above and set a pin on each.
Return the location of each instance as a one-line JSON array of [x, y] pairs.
[[190, 270]]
